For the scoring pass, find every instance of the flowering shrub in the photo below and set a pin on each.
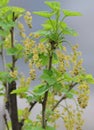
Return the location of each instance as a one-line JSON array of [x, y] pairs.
[[62, 77]]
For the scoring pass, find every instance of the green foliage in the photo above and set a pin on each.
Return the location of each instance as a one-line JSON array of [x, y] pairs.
[[55, 28], [71, 13], [29, 126], [53, 5], [44, 14], [17, 51], [40, 89], [20, 90], [60, 72], [8, 11], [3, 3]]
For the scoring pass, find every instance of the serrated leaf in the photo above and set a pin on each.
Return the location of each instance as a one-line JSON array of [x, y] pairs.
[[63, 24], [43, 32], [53, 5], [17, 51], [71, 13], [3, 2], [89, 78], [44, 59], [69, 31], [20, 90], [47, 26], [67, 77], [48, 77], [44, 14], [12, 51], [6, 13], [3, 76], [3, 33], [40, 89]]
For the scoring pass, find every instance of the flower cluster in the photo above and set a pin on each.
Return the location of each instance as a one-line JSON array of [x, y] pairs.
[[21, 29], [83, 94], [32, 71], [28, 19], [72, 118], [26, 113], [7, 42], [13, 74], [77, 67], [24, 82]]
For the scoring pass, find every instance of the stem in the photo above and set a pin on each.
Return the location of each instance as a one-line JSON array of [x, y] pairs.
[[12, 98], [44, 103], [63, 97]]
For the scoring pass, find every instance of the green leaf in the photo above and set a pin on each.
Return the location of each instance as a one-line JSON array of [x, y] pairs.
[[44, 14], [20, 90], [89, 78], [3, 2], [53, 5], [46, 26], [69, 95], [3, 33], [40, 89], [48, 77], [1, 90], [43, 33], [67, 77], [71, 13], [69, 31], [6, 13], [3, 76], [38, 128], [44, 59], [17, 51], [12, 51], [55, 58], [19, 48]]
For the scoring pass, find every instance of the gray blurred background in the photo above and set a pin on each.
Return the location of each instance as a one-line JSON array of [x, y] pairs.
[[84, 25]]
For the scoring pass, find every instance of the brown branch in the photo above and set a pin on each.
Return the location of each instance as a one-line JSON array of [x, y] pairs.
[[32, 104], [12, 98], [64, 96], [44, 103]]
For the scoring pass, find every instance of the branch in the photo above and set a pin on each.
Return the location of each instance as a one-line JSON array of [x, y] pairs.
[[32, 105], [44, 120], [64, 96]]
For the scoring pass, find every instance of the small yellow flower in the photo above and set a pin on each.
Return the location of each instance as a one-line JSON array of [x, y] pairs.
[[23, 35], [35, 50], [35, 57], [21, 26], [30, 64], [13, 74], [36, 35], [32, 74]]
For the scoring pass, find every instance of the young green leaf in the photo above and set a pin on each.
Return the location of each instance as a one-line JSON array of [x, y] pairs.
[[20, 90], [69, 31], [53, 5], [3, 3], [44, 14], [71, 13], [40, 89]]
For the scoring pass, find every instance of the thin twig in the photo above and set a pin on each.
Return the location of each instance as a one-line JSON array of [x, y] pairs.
[[63, 97]]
